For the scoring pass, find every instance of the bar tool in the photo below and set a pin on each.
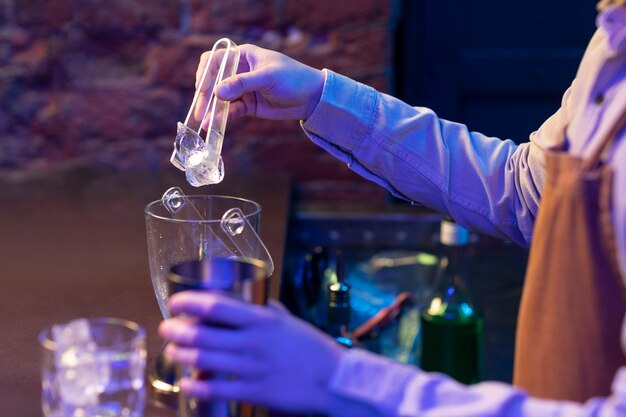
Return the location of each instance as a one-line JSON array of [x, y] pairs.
[[198, 144]]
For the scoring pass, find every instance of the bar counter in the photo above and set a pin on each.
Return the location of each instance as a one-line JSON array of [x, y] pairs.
[[73, 244]]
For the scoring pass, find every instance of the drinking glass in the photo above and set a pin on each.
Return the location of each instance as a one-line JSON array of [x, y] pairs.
[[188, 228], [99, 372]]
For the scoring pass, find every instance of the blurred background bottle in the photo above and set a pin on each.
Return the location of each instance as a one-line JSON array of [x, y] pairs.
[[338, 325], [303, 293], [451, 326], [338, 306]]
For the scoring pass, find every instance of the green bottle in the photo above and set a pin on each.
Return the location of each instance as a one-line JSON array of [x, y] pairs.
[[451, 327]]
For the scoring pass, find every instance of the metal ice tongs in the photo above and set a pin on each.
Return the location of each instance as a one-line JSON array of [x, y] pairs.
[[199, 139]]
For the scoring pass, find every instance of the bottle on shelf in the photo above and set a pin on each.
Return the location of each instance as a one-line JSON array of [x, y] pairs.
[[338, 306], [451, 325], [302, 293]]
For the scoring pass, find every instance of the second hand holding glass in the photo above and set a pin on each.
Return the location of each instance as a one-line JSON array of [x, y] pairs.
[[184, 228], [242, 279]]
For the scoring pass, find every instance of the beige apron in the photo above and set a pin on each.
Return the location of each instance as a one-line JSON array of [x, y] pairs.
[[573, 303]]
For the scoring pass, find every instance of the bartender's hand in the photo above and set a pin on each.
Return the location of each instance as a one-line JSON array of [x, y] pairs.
[[278, 360], [269, 85]]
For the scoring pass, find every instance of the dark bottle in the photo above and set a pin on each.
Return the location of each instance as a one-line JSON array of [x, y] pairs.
[[302, 293], [338, 307], [450, 324], [294, 292], [338, 322]]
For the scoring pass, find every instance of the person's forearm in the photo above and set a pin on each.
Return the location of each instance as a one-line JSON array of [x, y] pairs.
[[438, 395], [486, 184], [369, 385]]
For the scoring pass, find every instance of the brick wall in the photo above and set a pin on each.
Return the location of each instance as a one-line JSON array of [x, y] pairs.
[[105, 81]]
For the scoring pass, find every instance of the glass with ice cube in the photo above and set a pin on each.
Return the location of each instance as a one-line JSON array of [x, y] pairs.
[[93, 368]]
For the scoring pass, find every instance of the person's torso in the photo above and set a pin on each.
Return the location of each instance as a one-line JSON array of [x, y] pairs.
[[592, 105]]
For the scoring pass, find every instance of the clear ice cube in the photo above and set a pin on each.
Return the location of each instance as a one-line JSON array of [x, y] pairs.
[[205, 173], [202, 162], [74, 333], [81, 374], [189, 146]]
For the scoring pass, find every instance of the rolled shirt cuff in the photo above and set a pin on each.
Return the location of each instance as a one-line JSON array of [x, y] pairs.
[[368, 385]]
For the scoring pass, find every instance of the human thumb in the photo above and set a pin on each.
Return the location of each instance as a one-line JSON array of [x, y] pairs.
[[234, 87], [224, 90]]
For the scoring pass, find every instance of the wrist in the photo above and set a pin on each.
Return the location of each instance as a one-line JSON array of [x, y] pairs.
[[324, 397], [320, 80], [368, 385]]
